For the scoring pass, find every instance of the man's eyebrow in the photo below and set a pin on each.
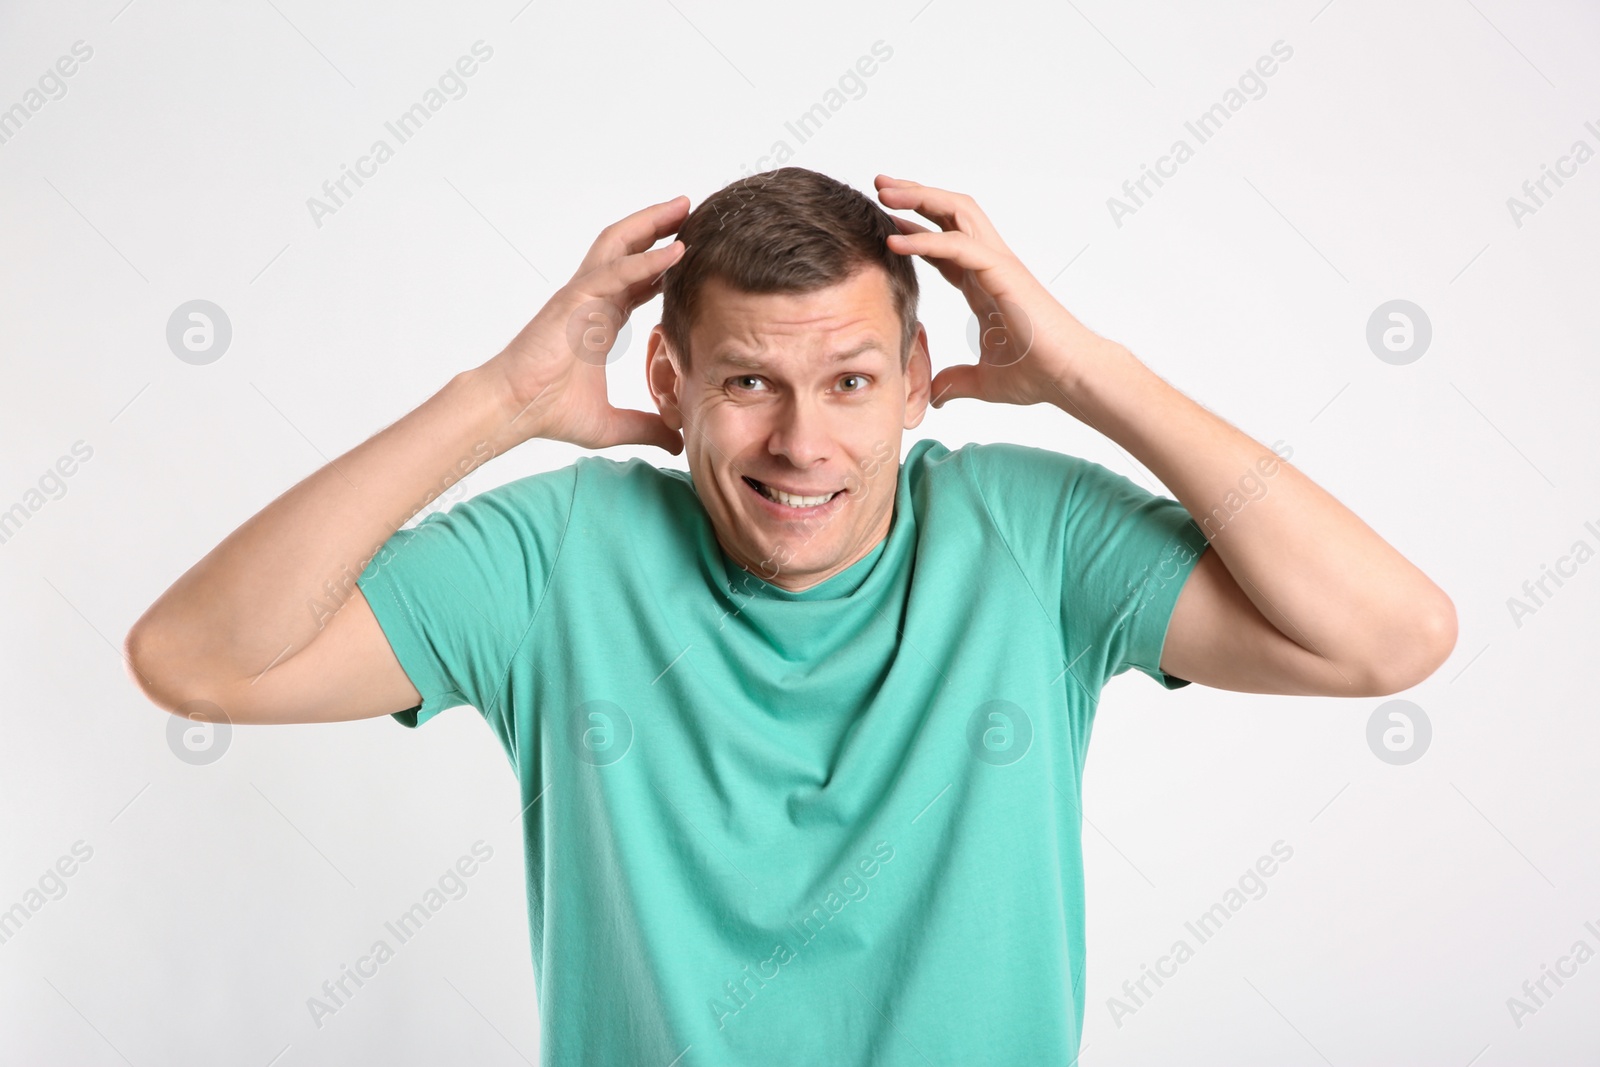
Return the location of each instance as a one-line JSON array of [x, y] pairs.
[[734, 359]]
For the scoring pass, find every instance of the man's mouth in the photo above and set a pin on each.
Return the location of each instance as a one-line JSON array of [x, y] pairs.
[[791, 501]]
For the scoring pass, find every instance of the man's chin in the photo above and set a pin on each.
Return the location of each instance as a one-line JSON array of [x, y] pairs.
[[780, 560]]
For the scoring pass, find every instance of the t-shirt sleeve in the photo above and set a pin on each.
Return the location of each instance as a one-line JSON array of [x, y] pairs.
[[1128, 553], [1111, 556], [456, 593]]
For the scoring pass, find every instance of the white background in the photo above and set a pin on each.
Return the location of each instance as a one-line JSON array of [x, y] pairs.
[[1376, 166]]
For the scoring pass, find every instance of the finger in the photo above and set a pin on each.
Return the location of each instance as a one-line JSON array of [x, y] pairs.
[[933, 203], [640, 292], [646, 226], [955, 383], [630, 427], [637, 232], [952, 211], [952, 273], [883, 181], [618, 276], [950, 246], [908, 226]]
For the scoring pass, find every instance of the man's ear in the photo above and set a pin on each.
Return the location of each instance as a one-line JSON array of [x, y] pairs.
[[919, 379], [662, 378]]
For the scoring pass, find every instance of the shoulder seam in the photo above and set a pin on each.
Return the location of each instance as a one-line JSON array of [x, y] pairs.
[[1054, 617], [555, 564]]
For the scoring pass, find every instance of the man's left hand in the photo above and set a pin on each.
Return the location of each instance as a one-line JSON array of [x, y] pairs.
[[1031, 347]]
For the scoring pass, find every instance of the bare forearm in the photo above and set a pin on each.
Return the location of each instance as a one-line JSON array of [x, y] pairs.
[[270, 587], [1314, 569]]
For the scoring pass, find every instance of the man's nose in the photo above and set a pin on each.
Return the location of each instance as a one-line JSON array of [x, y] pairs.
[[801, 433]]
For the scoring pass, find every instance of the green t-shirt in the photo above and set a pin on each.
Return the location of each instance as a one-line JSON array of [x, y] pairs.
[[839, 826]]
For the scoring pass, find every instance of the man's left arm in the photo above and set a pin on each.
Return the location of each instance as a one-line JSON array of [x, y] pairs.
[[1298, 595]]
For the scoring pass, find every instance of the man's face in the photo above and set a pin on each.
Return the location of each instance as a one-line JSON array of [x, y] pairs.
[[803, 394]]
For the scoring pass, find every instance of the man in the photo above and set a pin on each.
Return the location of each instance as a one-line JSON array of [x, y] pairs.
[[799, 732]]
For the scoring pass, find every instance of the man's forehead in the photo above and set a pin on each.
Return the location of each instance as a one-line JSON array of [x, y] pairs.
[[732, 356], [854, 319]]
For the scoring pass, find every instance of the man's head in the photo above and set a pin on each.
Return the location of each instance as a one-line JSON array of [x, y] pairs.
[[789, 353]]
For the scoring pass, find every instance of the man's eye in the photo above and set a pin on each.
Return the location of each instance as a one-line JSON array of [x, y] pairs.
[[746, 378], [857, 377]]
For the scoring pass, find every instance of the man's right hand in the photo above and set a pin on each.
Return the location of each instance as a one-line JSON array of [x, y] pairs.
[[554, 370]]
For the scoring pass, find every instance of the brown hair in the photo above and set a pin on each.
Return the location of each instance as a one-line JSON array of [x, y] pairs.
[[789, 230]]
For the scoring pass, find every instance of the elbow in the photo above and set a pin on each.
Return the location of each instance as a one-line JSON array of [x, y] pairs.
[[1411, 659], [137, 657], [143, 661], [161, 669]]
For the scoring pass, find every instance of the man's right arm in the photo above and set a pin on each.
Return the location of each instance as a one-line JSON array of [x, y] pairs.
[[242, 628], [248, 628]]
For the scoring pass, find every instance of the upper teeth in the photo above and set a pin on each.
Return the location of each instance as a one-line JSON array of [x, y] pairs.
[[794, 501]]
